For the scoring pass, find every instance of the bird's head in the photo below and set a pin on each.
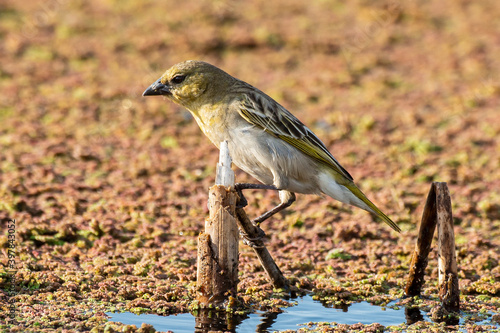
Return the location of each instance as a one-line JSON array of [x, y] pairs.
[[190, 83]]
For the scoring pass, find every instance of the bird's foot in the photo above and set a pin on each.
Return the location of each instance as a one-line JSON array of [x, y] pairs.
[[253, 241], [241, 202]]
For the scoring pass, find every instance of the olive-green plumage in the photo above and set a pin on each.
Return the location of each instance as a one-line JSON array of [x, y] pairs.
[[264, 139]]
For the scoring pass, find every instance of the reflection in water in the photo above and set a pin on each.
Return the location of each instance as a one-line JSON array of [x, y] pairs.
[[206, 320], [343, 307], [307, 310], [413, 315], [210, 320], [267, 321]]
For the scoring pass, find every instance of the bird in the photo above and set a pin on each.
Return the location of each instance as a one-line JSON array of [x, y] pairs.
[[264, 139]]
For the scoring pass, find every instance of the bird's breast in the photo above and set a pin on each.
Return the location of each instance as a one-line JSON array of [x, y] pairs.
[[259, 153]]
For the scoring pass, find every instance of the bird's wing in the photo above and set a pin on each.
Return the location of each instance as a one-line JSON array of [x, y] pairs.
[[263, 111]]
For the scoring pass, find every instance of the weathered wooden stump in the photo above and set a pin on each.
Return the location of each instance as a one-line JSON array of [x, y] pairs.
[[449, 291], [217, 274], [422, 249], [437, 211]]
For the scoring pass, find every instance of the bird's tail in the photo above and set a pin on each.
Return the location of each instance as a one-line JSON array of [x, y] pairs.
[[371, 207], [349, 193]]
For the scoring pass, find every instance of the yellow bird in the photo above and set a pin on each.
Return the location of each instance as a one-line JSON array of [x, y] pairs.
[[264, 139]]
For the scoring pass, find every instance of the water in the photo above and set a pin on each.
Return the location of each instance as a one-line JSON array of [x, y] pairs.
[[183, 322], [307, 310]]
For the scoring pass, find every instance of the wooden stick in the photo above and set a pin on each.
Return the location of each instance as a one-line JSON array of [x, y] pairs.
[[224, 174], [205, 269], [449, 292], [421, 253], [437, 211], [254, 232], [217, 274]]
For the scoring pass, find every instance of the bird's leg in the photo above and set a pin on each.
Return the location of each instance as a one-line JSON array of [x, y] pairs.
[[242, 202], [288, 196]]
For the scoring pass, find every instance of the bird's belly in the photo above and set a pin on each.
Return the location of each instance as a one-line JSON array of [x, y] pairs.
[[273, 161]]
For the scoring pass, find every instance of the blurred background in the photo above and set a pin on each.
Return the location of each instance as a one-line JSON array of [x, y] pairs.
[[402, 93]]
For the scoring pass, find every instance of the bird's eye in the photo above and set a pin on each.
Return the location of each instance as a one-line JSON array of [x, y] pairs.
[[178, 79]]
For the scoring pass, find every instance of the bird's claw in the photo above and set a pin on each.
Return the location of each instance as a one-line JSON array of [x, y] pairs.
[[252, 241], [242, 201]]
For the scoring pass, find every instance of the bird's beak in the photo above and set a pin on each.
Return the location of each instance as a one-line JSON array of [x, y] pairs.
[[157, 88]]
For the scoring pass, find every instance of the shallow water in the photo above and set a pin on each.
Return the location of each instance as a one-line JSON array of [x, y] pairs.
[[307, 310]]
